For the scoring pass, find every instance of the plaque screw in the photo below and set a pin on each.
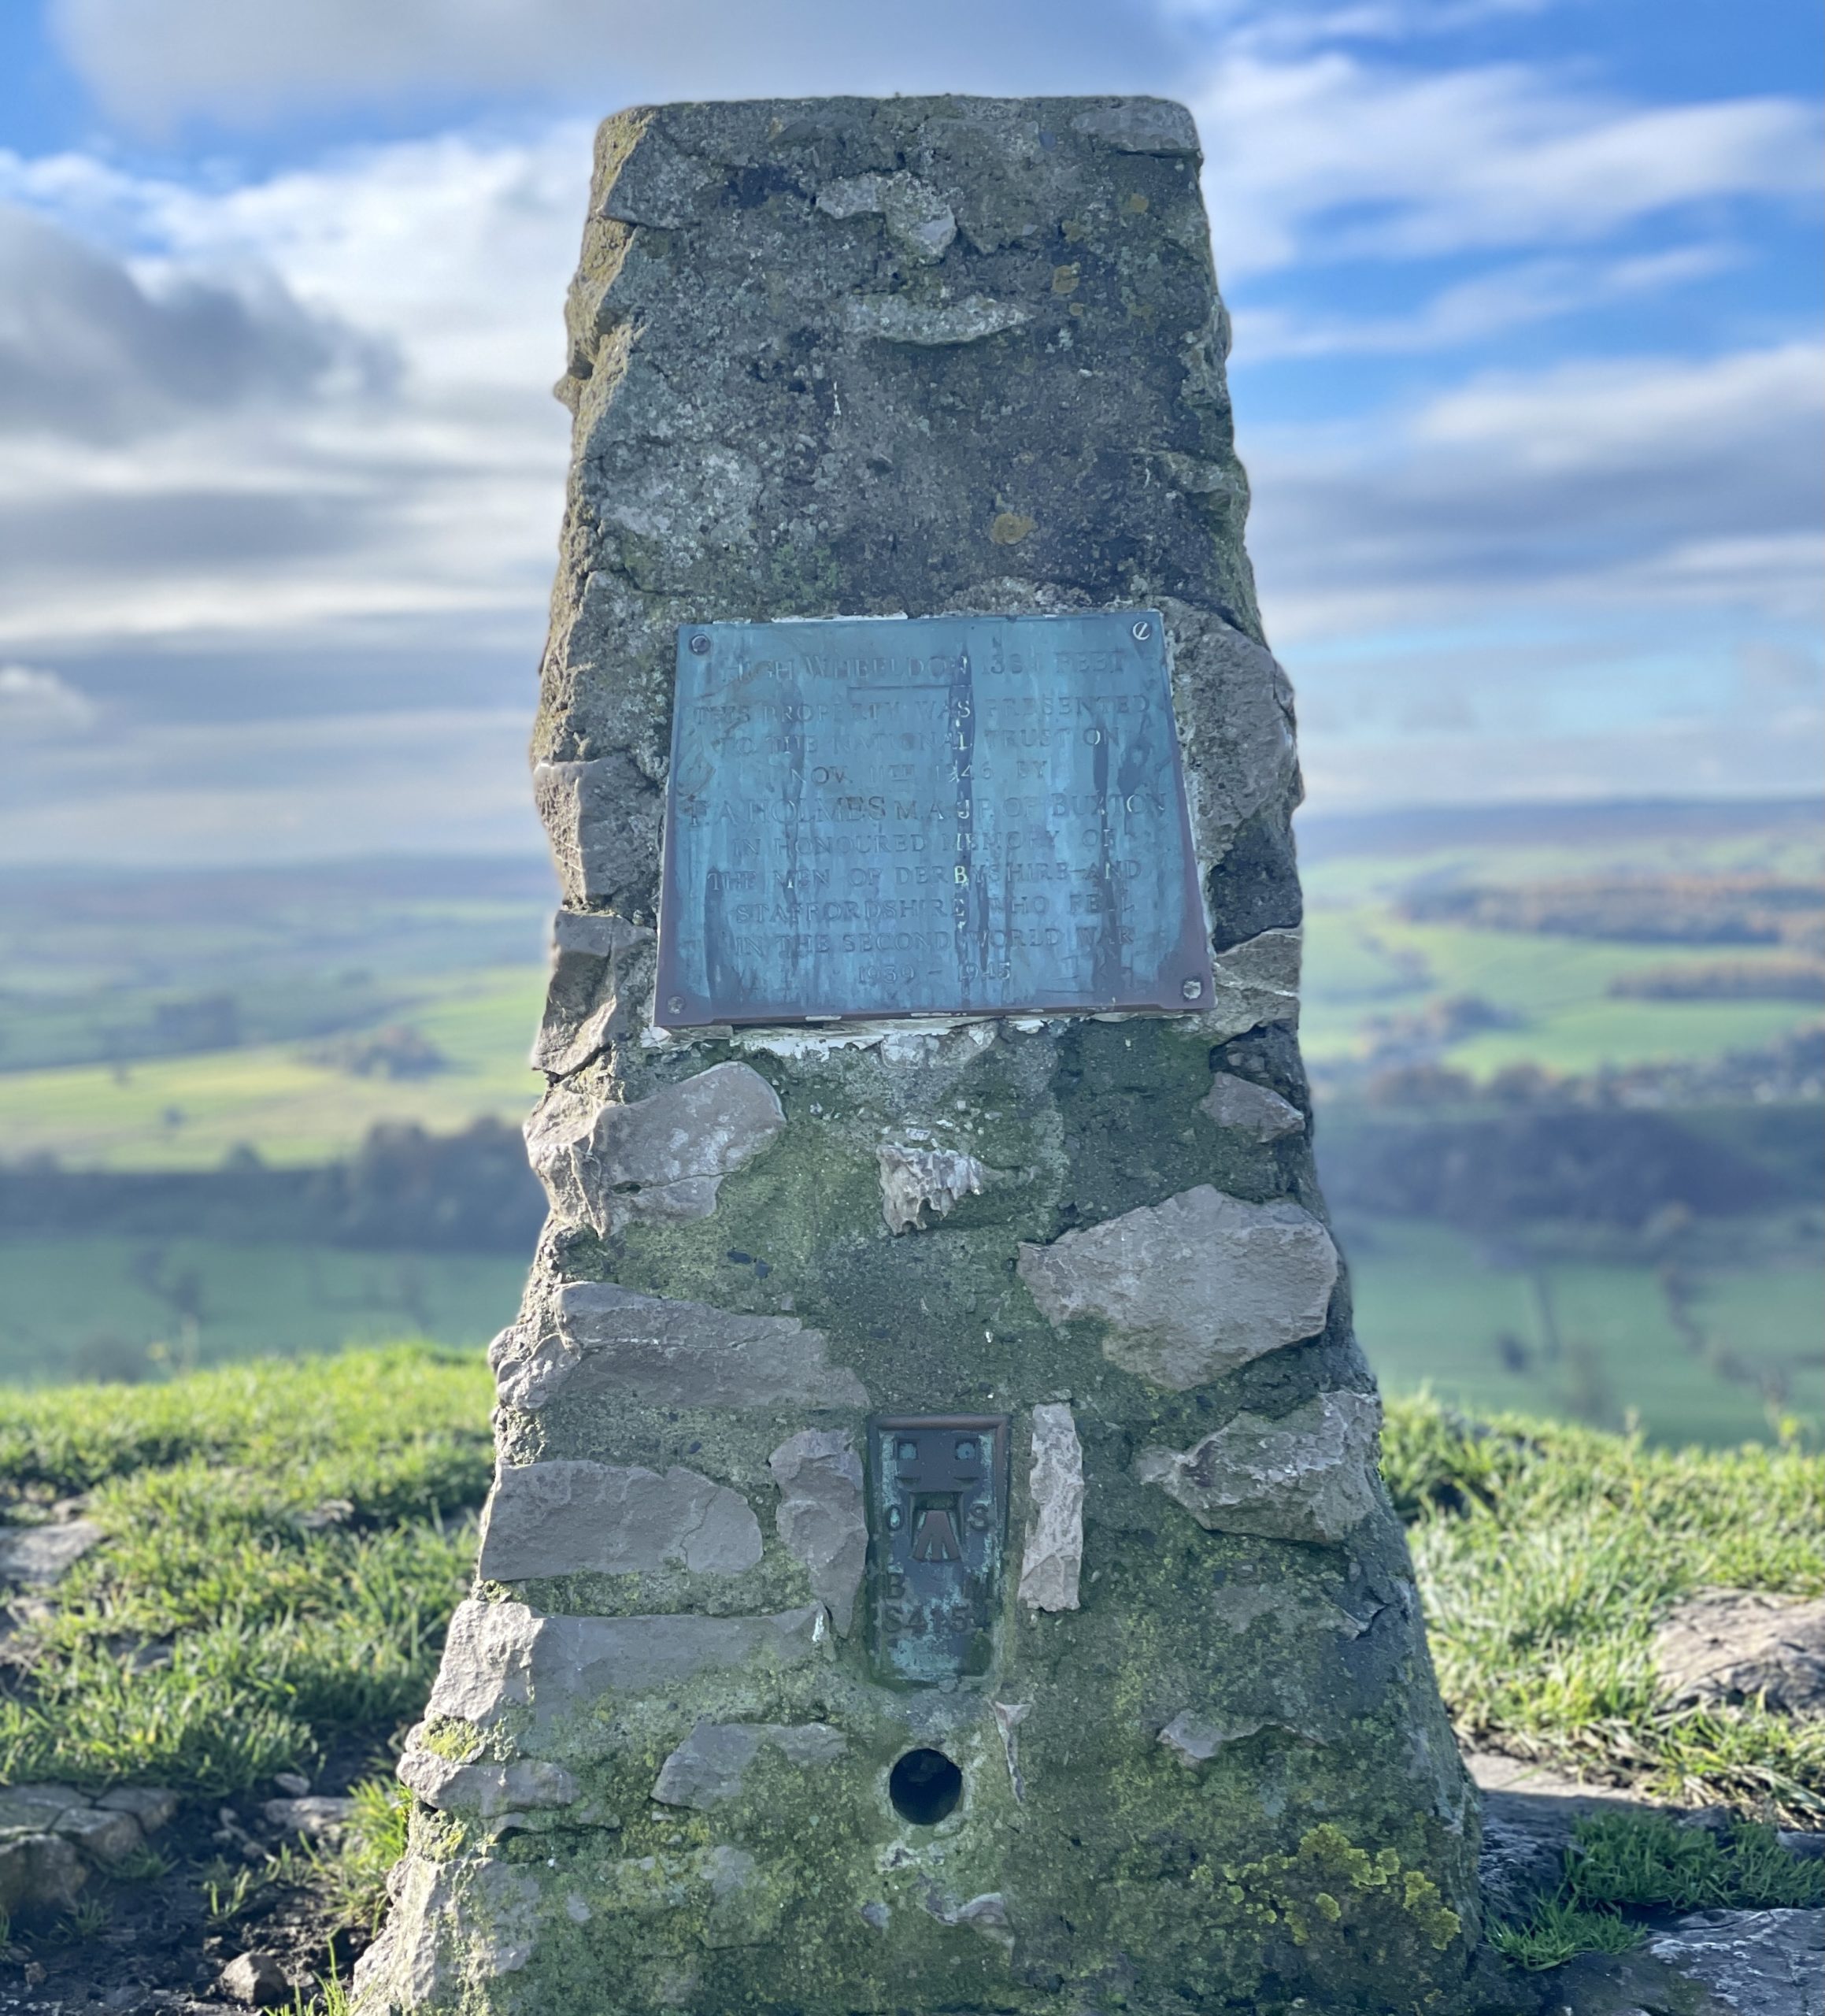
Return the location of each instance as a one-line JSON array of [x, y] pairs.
[[700, 645], [1142, 632], [675, 1005], [1192, 989]]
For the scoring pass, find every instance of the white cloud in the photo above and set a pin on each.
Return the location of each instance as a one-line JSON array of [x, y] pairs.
[[154, 61], [1606, 485], [1328, 156], [89, 348], [35, 701], [337, 498], [372, 463], [1469, 312], [189, 794], [1638, 412], [1748, 754]]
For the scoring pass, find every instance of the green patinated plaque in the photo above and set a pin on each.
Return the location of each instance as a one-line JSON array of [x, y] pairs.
[[948, 815]]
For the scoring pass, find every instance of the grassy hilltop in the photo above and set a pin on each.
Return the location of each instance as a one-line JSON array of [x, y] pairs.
[[284, 1542]]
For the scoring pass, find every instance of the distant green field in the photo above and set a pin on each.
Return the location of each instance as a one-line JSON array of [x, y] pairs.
[[453, 952], [1365, 961], [107, 1307], [1579, 1340], [188, 1112]]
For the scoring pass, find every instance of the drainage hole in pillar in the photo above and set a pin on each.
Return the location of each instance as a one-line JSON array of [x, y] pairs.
[[925, 1787]]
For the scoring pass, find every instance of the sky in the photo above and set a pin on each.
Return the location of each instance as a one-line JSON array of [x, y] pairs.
[[1528, 374]]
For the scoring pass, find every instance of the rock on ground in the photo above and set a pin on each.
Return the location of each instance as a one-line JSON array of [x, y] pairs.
[[1758, 1963], [316, 1816], [39, 1872], [42, 1827], [40, 1555], [1733, 1645], [255, 1979], [1709, 1963]]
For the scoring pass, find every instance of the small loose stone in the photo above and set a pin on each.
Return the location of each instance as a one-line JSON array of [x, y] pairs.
[[256, 1979]]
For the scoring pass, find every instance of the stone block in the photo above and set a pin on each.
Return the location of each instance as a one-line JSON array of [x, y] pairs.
[[1191, 1288], [257, 1981], [318, 1816], [567, 1518], [603, 819], [599, 992], [1308, 1476], [1236, 706], [606, 1164], [485, 1792], [105, 1836], [39, 1872], [918, 221], [1252, 1111], [1255, 982], [987, 1913], [709, 1768], [821, 1520], [1194, 1739], [1053, 1559], [1755, 1963], [675, 1354], [1140, 126], [154, 1807], [499, 1657], [37, 1808]]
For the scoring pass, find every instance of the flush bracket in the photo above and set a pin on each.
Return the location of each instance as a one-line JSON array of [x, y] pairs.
[[938, 1519]]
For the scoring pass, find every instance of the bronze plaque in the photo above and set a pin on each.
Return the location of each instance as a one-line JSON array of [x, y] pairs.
[[937, 1515], [948, 815]]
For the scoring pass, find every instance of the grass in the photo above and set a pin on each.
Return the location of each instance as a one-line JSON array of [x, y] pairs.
[[1547, 1555], [285, 1544], [107, 1305]]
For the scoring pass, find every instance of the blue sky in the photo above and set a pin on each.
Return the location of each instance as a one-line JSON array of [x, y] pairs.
[[1527, 374]]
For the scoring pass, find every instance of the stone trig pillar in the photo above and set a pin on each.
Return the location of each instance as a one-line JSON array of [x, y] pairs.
[[936, 1562]]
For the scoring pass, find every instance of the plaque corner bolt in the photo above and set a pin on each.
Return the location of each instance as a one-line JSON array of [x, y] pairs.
[[699, 644], [1141, 632], [675, 1004], [1192, 989]]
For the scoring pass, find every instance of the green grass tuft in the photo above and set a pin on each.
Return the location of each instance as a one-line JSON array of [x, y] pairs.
[[1649, 1860], [1558, 1931], [353, 1875], [1621, 1864]]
